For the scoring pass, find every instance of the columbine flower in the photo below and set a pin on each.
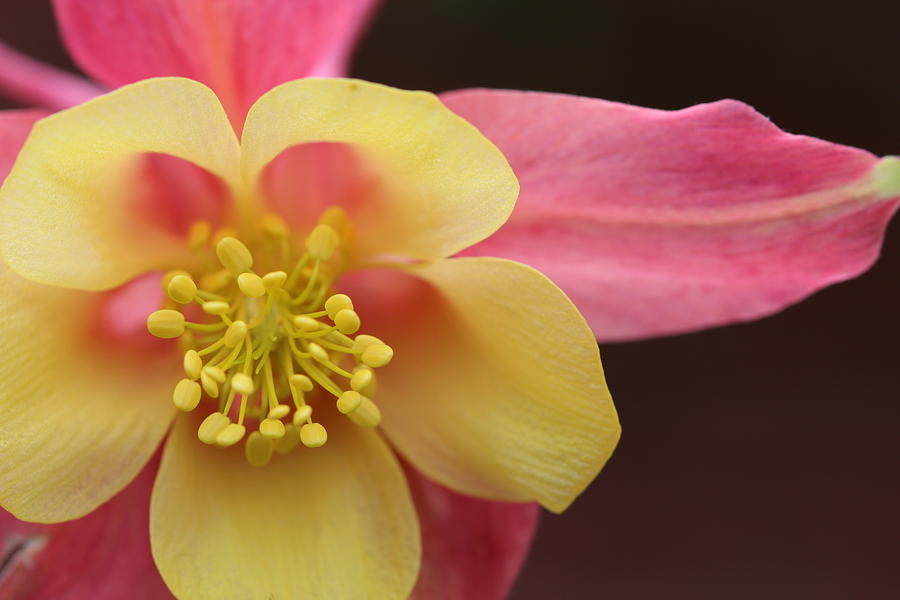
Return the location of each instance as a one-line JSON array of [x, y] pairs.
[[653, 222], [273, 483]]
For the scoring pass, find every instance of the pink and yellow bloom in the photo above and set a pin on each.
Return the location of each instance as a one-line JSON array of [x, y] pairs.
[[653, 222], [496, 390]]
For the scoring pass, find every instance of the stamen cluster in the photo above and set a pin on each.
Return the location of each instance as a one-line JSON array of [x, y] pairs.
[[265, 347]]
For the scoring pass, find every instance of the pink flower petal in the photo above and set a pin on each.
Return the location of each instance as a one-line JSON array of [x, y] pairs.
[[658, 222], [472, 549], [172, 194], [302, 182], [15, 125], [103, 556], [239, 48], [35, 83]]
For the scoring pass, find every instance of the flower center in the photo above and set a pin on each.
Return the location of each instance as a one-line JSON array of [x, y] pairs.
[[269, 343]]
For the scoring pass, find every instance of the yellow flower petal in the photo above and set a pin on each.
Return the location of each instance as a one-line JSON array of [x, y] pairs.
[[497, 389], [64, 206], [334, 522], [443, 185], [79, 421]]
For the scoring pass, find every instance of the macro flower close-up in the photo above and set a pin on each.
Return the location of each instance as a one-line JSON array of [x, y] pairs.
[[485, 347], [284, 334]]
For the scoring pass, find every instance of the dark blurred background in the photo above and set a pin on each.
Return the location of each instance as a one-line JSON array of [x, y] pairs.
[[759, 460]]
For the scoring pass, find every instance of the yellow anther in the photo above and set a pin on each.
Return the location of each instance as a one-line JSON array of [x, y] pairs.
[[210, 385], [366, 414], [302, 382], [199, 234], [349, 401], [361, 379], [234, 255], [347, 321], [289, 441], [211, 426], [306, 324], [263, 346], [230, 435], [377, 355], [361, 342], [216, 280], [235, 334], [251, 285], [192, 364], [313, 435], [272, 428], [274, 225], [166, 323], [221, 234], [318, 352], [242, 384], [279, 411], [258, 449], [337, 303], [186, 395], [302, 414], [322, 242], [335, 217], [182, 289], [214, 373], [216, 307], [167, 278], [274, 280]]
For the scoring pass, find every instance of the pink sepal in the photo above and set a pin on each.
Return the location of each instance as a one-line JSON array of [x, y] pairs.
[[658, 222], [15, 125], [38, 84], [239, 48], [103, 556], [472, 549]]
